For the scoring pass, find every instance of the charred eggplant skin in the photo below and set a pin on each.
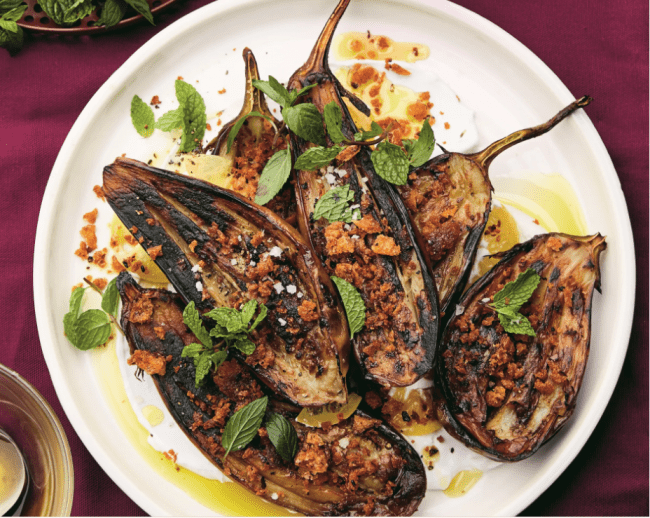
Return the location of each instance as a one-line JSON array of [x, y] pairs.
[[204, 235], [449, 199], [504, 395], [407, 354], [396, 488]]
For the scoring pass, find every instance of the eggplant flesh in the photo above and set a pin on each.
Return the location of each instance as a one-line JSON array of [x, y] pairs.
[[449, 200], [220, 250], [255, 143], [377, 473], [506, 394], [397, 343]]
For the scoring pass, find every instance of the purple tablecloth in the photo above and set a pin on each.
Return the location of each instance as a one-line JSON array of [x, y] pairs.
[[600, 48]]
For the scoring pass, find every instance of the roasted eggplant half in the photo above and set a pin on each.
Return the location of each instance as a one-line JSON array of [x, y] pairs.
[[448, 201], [256, 141], [377, 252], [358, 467], [506, 394], [220, 250]]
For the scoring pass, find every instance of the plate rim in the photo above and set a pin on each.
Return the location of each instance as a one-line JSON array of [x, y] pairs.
[[55, 183]]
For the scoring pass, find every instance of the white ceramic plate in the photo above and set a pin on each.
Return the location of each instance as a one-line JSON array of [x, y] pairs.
[[507, 86]]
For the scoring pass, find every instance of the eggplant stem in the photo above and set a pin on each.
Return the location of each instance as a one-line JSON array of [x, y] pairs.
[[485, 157], [318, 57], [111, 317]]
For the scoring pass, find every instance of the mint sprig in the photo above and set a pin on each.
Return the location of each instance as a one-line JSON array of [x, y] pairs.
[[142, 117], [242, 427], [418, 151], [282, 435], [355, 309], [11, 35], [232, 134], [274, 175], [390, 163], [231, 329], [316, 157], [91, 328], [374, 131], [508, 301], [334, 205], [334, 122]]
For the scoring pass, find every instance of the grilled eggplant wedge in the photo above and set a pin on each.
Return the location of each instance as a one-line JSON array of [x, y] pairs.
[[358, 467], [448, 201], [219, 250], [506, 394], [377, 253], [255, 143]]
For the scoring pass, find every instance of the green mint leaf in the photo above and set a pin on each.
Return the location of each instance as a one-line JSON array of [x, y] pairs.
[[192, 350], [247, 311], [334, 206], [14, 15], [302, 91], [355, 309], [237, 126], [171, 120], [8, 25], [316, 157], [390, 163], [261, 316], [70, 318], [219, 332], [244, 345], [273, 90], [192, 320], [283, 436], [419, 151], [111, 298], [75, 300], [218, 357], [142, 117], [305, 121], [143, 8], [274, 175], [203, 363], [92, 328], [518, 324], [334, 122], [9, 5], [375, 131], [12, 40], [66, 12], [194, 117], [224, 316], [242, 427], [112, 13], [516, 293]]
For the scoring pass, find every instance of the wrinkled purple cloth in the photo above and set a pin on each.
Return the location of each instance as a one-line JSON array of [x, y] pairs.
[[600, 48]]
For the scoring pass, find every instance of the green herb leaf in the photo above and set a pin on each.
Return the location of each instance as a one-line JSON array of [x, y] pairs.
[[142, 117], [93, 327], [283, 436], [305, 121], [66, 12], [111, 298], [202, 364], [245, 345], [294, 94], [333, 206], [375, 131], [12, 40], [273, 90], [355, 309], [10, 5], [237, 126], [14, 15], [516, 293], [171, 120], [143, 8], [316, 157], [70, 318], [334, 122], [242, 427], [390, 163], [192, 350], [247, 311], [419, 151], [112, 13], [192, 320], [273, 177], [518, 324], [261, 316], [218, 357], [194, 117]]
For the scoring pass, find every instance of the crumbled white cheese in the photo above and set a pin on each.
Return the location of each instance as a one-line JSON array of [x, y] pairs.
[[355, 206], [291, 289], [331, 179], [355, 237], [340, 172], [197, 268], [330, 168], [199, 286], [282, 321], [278, 287], [276, 251], [300, 295], [253, 263], [343, 443], [274, 496], [347, 227], [239, 238], [460, 310], [364, 180], [486, 299], [233, 262]]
